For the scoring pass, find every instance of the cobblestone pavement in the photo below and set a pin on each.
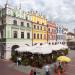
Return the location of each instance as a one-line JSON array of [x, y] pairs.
[[5, 70], [70, 67], [9, 68]]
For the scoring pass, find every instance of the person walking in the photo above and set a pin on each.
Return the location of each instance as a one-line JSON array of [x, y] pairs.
[[60, 67], [31, 72], [47, 72], [34, 71], [55, 68], [18, 61], [58, 71]]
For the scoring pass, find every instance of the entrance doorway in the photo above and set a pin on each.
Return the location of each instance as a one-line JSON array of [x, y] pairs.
[[14, 47]]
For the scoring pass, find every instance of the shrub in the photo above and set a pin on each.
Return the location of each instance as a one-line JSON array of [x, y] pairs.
[[14, 57], [25, 62], [66, 51], [55, 58]]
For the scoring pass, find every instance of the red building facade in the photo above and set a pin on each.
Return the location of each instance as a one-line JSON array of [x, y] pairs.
[[52, 33]]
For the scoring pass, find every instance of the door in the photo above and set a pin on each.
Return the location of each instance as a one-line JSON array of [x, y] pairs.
[[1, 52]]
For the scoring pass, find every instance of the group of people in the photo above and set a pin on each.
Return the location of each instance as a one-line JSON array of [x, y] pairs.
[[57, 69], [46, 67]]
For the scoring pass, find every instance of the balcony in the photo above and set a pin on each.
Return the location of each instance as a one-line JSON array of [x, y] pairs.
[[15, 26], [18, 40], [21, 27]]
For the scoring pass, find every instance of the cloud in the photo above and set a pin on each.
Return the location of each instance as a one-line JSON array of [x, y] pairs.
[[61, 11]]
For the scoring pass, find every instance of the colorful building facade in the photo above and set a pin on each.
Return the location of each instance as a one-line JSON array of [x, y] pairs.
[[39, 28], [60, 34], [15, 30], [52, 33], [19, 28], [65, 35]]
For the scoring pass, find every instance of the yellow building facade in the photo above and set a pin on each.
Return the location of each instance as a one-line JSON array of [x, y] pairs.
[[39, 29]]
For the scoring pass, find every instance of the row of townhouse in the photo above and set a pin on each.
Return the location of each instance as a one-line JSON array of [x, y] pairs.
[[19, 28]]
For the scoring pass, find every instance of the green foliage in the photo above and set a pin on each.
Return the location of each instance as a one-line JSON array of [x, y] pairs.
[[55, 58], [25, 62], [66, 52], [14, 57], [40, 60]]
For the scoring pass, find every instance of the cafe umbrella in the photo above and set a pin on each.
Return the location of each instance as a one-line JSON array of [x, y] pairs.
[[63, 59]]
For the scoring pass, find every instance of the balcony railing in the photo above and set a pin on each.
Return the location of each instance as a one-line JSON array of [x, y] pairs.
[[21, 27]]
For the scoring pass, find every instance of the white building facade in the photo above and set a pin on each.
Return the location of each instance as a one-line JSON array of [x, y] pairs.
[[15, 30], [61, 35]]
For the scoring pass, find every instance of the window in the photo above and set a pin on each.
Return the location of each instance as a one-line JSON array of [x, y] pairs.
[[52, 43], [62, 31], [34, 26], [52, 30], [62, 42], [49, 43], [37, 36], [41, 28], [42, 23], [34, 36], [26, 18], [38, 27], [28, 25], [40, 36], [28, 35], [44, 36], [22, 34], [54, 36], [49, 29], [41, 43], [44, 29], [57, 30], [2, 21], [15, 34], [14, 22], [22, 23], [1, 34], [49, 37], [37, 22]]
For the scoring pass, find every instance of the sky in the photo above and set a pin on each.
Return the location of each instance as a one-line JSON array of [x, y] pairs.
[[60, 11]]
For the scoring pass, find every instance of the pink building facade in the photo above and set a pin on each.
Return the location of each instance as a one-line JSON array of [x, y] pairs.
[[52, 33]]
